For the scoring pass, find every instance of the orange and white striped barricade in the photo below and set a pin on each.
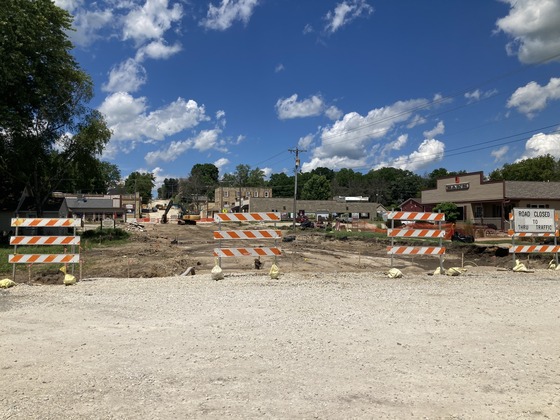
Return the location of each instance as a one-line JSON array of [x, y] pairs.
[[38, 240], [533, 223], [247, 235], [438, 233]]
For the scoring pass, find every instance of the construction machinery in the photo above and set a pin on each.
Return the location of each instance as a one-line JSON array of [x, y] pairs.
[[164, 218], [183, 218], [186, 218]]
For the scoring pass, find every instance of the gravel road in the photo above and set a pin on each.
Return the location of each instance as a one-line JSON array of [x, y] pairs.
[[484, 345]]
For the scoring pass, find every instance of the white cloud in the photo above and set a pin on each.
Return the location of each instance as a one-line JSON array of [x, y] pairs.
[[437, 130], [477, 95], [334, 162], [128, 76], [150, 21], [345, 13], [532, 97], [223, 16], [157, 50], [348, 142], [399, 143], [128, 119], [351, 136], [267, 172], [87, 23], [279, 68], [306, 142], [204, 140], [533, 25], [333, 113], [499, 154], [290, 107], [307, 29], [429, 152], [221, 163], [542, 144], [69, 5], [416, 120]]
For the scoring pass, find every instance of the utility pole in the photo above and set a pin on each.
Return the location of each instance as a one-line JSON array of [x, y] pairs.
[[296, 151]]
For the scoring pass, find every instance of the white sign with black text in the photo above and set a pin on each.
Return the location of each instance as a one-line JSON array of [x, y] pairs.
[[534, 220]]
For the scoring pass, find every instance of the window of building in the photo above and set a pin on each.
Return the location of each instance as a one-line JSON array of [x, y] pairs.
[[266, 194], [496, 210], [478, 211], [226, 193], [255, 194]]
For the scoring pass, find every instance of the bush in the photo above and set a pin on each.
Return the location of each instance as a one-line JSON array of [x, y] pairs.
[[103, 235]]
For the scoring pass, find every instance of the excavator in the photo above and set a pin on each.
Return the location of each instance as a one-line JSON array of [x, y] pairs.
[[164, 218], [183, 218]]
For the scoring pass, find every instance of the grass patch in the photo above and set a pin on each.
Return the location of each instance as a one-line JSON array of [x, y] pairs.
[[89, 239]]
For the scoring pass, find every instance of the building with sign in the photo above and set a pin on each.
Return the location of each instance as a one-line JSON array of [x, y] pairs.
[[489, 202]]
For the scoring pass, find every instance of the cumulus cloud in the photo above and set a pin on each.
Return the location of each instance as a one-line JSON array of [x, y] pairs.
[[499, 154], [429, 152], [205, 140], [150, 21], [334, 162], [87, 23], [532, 97], [128, 117], [157, 50], [128, 76], [333, 113], [534, 29], [351, 141], [306, 142], [477, 95], [223, 16], [292, 108], [350, 136], [346, 12], [437, 130], [221, 164], [542, 144]]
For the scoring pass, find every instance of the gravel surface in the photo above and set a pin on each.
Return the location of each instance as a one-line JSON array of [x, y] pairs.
[[483, 345]]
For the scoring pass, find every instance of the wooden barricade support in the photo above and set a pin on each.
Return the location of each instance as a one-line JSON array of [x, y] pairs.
[[533, 223], [22, 240], [416, 233], [263, 234]]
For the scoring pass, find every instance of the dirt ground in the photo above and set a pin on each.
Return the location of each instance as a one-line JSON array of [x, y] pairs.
[[332, 338], [161, 250], [483, 345]]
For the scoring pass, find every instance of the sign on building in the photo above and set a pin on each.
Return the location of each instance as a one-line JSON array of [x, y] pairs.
[[534, 220]]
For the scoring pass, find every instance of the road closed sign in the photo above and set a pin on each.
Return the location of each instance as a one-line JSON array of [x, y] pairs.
[[534, 220]]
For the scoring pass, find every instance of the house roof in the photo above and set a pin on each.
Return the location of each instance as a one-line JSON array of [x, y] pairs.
[[532, 190], [83, 204]]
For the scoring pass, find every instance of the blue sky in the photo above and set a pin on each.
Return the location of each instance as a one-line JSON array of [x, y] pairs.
[[360, 84]]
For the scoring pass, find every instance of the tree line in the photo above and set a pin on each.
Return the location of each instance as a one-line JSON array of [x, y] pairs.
[[51, 140]]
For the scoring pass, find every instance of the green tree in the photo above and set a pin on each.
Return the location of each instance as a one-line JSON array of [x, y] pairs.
[[282, 185], [208, 175], [449, 209], [541, 168], [317, 187], [168, 189], [46, 128], [430, 180], [393, 186], [256, 178], [141, 182]]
